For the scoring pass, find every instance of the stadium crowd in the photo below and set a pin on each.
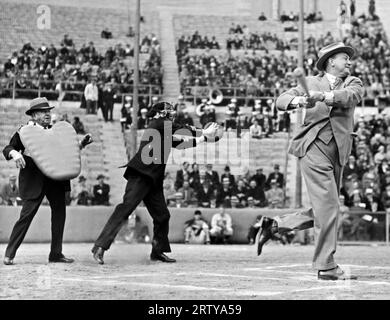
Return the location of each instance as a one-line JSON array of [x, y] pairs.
[[204, 187], [266, 72], [66, 68]]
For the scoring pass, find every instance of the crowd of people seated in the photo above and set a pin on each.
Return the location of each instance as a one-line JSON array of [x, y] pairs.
[[366, 178], [67, 68], [206, 188], [266, 74]]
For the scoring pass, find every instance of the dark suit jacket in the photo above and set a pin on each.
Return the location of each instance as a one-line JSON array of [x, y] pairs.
[[155, 147], [31, 179], [347, 94]]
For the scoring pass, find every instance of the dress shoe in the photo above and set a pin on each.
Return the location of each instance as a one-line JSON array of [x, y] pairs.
[[60, 259], [98, 253], [268, 228], [8, 261], [335, 274], [160, 257]]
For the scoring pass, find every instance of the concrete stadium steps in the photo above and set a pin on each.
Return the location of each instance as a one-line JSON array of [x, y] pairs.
[[218, 26], [18, 25], [114, 154], [168, 57]]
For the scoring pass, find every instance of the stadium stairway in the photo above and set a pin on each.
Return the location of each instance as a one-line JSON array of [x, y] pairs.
[[168, 57], [114, 154]]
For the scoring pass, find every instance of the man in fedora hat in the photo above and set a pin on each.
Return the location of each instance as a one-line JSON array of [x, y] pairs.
[[322, 146], [34, 186]]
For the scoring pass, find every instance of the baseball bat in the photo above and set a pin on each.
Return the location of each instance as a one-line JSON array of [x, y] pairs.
[[299, 74]]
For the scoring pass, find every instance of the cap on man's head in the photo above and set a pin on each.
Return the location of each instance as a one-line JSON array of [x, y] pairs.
[[197, 212], [276, 166], [100, 176], [38, 104], [328, 51]]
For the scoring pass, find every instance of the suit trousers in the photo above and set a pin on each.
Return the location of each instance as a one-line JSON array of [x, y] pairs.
[[55, 194], [322, 173], [139, 188]]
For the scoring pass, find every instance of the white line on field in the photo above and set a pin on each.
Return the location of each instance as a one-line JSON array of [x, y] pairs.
[[228, 291]]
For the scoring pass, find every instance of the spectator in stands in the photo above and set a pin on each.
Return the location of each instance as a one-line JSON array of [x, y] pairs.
[[275, 196], [260, 178], [257, 194], [78, 126], [182, 175], [255, 130], [106, 34], [224, 193], [350, 167], [194, 177], [240, 191], [197, 229], [205, 194], [188, 193], [169, 188], [228, 175], [91, 96], [108, 97], [221, 227], [212, 175], [262, 17], [101, 192], [66, 41], [143, 120], [275, 175], [81, 192], [10, 192]]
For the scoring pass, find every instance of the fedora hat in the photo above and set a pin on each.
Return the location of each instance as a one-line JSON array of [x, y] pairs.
[[326, 52], [38, 104]]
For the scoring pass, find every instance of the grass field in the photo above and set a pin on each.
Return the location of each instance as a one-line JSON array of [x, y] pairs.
[[202, 272]]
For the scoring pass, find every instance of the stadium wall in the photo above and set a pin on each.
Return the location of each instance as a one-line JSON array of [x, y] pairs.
[[83, 224]]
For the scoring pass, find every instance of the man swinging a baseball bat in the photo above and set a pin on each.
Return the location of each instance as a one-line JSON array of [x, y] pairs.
[[322, 145]]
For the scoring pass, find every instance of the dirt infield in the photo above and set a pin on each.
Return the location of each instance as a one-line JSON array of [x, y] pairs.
[[202, 272]]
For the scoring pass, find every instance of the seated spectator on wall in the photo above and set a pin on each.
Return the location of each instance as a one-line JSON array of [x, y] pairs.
[[101, 192], [275, 175], [194, 176], [221, 227], [106, 34], [197, 229], [275, 196], [262, 17], [66, 41], [10, 192], [78, 125], [81, 193]]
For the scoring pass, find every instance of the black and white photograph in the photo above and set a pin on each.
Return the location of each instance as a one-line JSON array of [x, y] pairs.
[[194, 155]]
